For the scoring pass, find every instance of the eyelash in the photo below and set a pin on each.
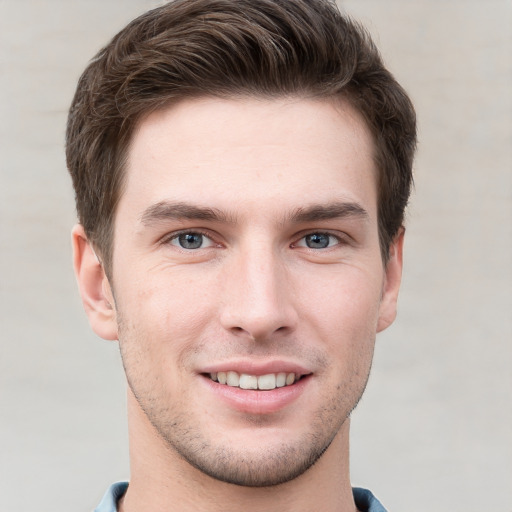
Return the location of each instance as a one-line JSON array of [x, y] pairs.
[[175, 235], [340, 240]]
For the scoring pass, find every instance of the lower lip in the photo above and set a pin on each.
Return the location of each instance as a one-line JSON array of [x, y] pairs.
[[258, 402]]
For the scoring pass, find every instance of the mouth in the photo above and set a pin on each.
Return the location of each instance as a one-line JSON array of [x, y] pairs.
[[256, 389], [266, 382]]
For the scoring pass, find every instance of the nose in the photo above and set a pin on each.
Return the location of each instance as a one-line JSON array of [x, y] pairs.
[[258, 295]]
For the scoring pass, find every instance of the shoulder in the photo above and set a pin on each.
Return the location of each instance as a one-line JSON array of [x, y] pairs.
[[366, 501], [109, 501]]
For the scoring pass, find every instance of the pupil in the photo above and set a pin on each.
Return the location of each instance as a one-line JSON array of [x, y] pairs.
[[191, 240], [317, 241]]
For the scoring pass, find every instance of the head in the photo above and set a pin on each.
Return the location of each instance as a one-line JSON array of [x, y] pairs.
[[241, 168], [220, 48]]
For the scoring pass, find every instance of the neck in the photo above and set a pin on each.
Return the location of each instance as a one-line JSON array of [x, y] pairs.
[[161, 480]]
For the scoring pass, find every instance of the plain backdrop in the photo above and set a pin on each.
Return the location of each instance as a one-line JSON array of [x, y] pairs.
[[433, 431]]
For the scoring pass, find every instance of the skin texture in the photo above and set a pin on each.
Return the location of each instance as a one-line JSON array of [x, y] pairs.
[[252, 178]]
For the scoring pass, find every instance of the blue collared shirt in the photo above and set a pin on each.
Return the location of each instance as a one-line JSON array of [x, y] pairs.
[[365, 500]]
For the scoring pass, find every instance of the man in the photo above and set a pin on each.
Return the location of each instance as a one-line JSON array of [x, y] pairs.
[[241, 171]]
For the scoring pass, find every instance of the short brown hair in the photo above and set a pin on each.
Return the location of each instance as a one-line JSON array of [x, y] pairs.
[[226, 48]]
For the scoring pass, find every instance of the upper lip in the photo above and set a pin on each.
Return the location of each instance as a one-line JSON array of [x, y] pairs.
[[256, 367]]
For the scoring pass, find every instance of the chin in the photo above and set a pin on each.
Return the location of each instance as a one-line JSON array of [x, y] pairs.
[[264, 468]]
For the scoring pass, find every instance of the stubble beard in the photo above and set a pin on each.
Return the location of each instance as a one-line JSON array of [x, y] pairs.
[[264, 467]]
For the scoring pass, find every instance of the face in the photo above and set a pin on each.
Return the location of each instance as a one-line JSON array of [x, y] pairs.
[[247, 280]]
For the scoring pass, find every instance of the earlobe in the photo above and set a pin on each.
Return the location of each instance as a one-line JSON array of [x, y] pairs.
[[94, 286], [392, 280]]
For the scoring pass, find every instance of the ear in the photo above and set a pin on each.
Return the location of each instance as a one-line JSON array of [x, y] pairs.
[[94, 286], [392, 279]]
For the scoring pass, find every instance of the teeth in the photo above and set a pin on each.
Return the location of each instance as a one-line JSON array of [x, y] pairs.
[[267, 381], [233, 379], [281, 380], [246, 381]]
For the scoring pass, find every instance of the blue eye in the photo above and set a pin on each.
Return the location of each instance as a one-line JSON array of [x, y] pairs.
[[191, 240], [318, 241]]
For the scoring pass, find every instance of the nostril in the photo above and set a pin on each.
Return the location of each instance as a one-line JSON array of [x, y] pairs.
[[258, 323]]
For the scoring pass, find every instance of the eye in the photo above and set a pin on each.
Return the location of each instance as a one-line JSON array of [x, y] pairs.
[[191, 240], [318, 241]]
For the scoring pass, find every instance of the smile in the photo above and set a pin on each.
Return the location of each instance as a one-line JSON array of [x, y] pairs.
[[261, 382]]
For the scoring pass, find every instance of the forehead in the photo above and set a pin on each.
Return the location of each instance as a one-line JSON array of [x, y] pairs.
[[236, 153]]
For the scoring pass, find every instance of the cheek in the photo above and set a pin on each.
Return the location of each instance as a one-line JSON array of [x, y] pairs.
[[164, 312], [344, 301], [152, 342], [343, 315]]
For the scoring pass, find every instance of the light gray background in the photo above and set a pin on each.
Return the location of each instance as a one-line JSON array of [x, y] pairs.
[[433, 431]]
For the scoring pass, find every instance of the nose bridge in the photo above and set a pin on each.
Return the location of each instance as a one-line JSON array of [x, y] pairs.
[[258, 298]]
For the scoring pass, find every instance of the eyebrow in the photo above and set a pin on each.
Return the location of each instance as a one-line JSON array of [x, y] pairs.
[[166, 210], [336, 210]]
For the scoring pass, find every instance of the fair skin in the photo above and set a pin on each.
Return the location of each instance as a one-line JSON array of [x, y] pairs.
[[245, 241]]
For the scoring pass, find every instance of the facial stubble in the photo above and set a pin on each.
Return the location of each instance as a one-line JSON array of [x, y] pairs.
[[188, 439]]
